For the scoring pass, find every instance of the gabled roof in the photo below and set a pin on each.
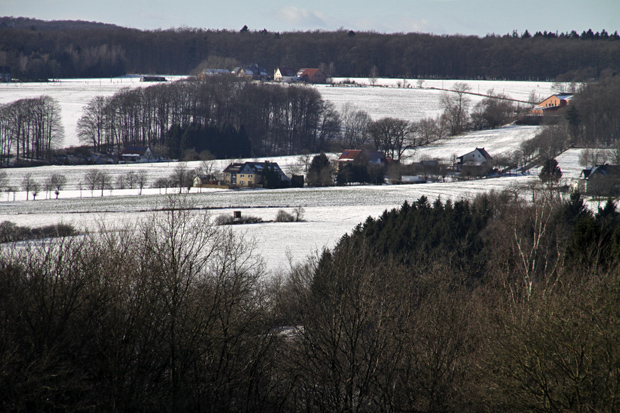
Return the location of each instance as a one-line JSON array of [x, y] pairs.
[[601, 170], [253, 70], [349, 154], [254, 167], [286, 71], [307, 72], [352, 154], [135, 150], [560, 96], [216, 72], [481, 151], [234, 167]]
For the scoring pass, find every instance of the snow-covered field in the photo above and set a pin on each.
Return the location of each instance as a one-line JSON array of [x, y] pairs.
[[329, 212], [383, 100]]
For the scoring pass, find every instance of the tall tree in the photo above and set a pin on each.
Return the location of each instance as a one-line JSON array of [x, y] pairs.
[[456, 108]]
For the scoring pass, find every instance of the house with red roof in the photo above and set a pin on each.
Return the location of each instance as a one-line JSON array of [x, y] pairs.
[[311, 76]]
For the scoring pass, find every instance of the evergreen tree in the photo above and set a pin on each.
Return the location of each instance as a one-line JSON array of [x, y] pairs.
[[320, 171], [550, 172]]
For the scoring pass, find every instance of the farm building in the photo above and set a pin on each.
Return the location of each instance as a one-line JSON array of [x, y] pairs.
[[252, 174], [552, 104], [311, 76], [477, 157], [352, 155], [137, 154]]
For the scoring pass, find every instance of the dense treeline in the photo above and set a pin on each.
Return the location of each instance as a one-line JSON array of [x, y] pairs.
[[226, 116], [495, 304], [40, 52], [29, 128]]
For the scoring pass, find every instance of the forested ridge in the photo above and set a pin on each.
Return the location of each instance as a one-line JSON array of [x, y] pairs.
[[43, 50], [507, 302]]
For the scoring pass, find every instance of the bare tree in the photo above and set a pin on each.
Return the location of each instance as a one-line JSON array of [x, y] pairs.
[[57, 182], [456, 108], [354, 125], [372, 76], [34, 189], [141, 180], [392, 136], [181, 176], [27, 184], [92, 179]]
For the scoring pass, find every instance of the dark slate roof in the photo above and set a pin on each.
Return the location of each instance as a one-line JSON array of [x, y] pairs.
[[601, 170], [135, 150]]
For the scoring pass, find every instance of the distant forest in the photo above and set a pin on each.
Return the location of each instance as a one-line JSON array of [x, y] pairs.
[[34, 50]]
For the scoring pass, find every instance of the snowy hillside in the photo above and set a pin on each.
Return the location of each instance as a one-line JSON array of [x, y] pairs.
[[330, 212], [410, 103]]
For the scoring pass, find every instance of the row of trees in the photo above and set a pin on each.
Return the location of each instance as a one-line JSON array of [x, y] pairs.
[[75, 50], [230, 117], [227, 116], [495, 304], [29, 128]]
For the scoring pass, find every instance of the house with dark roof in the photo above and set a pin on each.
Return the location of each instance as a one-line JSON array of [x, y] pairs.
[[253, 174], [600, 180], [311, 75], [137, 154], [552, 104], [212, 72], [284, 74], [478, 158], [254, 72]]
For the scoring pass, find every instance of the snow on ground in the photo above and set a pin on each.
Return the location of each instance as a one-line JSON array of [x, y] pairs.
[[329, 212], [385, 99], [501, 141]]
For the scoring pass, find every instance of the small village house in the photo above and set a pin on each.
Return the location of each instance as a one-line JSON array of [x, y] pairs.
[[254, 72], [352, 155], [552, 104], [311, 75], [477, 162], [603, 180], [137, 154], [285, 75], [212, 72], [252, 174]]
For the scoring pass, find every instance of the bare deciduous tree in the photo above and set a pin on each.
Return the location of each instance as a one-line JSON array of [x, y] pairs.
[[456, 108]]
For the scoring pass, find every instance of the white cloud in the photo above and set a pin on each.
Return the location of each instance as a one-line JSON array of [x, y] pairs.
[[302, 18], [402, 24]]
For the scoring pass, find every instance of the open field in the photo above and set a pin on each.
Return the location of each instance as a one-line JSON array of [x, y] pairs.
[[329, 212]]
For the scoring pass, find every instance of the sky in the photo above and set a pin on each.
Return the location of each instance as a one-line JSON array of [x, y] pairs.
[[466, 17]]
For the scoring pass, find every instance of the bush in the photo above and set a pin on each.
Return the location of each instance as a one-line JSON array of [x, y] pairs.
[[296, 216], [284, 216], [231, 220], [11, 232]]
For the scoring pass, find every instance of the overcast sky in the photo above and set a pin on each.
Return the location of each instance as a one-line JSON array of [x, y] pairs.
[[469, 17]]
